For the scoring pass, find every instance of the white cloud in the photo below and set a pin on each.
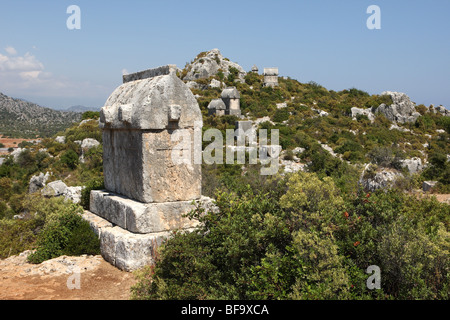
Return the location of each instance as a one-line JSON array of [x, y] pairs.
[[24, 75], [11, 51], [26, 63], [124, 72]]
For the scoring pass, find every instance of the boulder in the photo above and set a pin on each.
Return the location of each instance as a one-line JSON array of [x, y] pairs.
[[73, 194], [60, 139], [414, 165], [87, 144], [54, 189], [378, 179], [38, 182], [363, 112], [442, 110], [16, 153], [402, 110], [321, 113]]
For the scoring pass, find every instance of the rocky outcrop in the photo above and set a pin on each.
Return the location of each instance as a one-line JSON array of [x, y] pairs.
[[208, 64], [439, 109], [362, 112], [60, 189], [373, 179], [60, 139], [401, 110], [73, 194], [86, 145], [54, 189], [38, 182], [413, 165], [16, 153]]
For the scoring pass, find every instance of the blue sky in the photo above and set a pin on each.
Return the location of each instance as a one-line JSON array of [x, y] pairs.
[[325, 41]]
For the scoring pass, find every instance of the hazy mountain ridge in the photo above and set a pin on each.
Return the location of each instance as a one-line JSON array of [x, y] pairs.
[[21, 118], [78, 108]]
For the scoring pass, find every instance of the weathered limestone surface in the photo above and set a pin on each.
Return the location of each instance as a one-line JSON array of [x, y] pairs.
[[38, 182], [141, 217], [123, 249], [209, 65], [413, 165], [363, 112], [401, 110], [138, 165]]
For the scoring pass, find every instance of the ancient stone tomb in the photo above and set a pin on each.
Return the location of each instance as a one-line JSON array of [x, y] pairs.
[[146, 193]]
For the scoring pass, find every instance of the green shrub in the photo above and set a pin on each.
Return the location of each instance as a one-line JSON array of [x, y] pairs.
[[70, 159], [90, 115], [309, 241], [16, 236], [96, 183], [64, 233]]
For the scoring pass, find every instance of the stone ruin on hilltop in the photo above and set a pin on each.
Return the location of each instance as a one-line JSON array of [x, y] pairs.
[[146, 193]]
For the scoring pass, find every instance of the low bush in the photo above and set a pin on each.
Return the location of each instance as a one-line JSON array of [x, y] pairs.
[[65, 233]]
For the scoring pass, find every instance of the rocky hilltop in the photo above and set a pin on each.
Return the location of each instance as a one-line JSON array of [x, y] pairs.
[[26, 119], [208, 64]]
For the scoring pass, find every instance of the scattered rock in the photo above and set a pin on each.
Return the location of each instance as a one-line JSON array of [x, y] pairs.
[[60, 139], [442, 110], [321, 113], [87, 121], [394, 126], [292, 166]]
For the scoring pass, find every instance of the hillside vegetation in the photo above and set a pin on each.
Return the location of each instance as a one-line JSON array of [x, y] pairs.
[[310, 234], [22, 119]]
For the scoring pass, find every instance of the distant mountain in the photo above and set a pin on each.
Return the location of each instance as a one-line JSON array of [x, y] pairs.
[[80, 109], [20, 118]]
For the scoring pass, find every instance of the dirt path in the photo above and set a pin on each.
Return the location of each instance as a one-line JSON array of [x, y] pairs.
[[90, 277]]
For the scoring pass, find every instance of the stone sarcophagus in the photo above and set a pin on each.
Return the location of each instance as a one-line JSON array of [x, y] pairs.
[[138, 121], [146, 193]]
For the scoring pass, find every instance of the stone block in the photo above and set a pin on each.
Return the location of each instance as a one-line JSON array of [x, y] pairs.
[[141, 217], [123, 249]]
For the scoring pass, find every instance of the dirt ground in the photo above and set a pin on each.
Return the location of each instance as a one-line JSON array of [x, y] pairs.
[[443, 198], [12, 142], [63, 278]]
